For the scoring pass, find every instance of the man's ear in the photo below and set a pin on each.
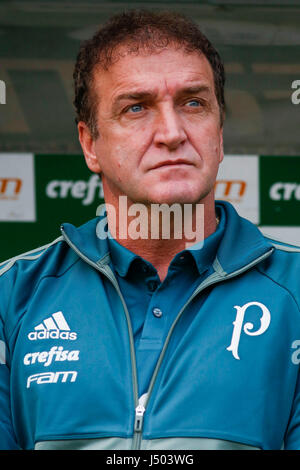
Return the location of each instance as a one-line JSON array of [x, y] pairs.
[[88, 146], [221, 145]]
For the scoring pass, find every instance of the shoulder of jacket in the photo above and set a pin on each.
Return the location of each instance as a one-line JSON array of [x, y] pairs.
[[28, 257], [285, 259], [283, 246], [283, 267], [20, 276]]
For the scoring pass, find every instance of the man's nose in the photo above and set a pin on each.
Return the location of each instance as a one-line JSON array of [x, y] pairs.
[[169, 129]]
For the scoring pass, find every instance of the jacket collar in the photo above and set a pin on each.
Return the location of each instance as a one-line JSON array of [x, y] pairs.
[[242, 242], [202, 256]]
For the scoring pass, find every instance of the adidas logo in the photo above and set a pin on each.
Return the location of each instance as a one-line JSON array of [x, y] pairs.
[[54, 327]]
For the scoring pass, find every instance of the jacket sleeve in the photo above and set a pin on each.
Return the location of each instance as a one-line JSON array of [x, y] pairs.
[[7, 436]]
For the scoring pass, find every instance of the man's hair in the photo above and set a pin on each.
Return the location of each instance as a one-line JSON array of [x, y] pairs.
[[140, 31]]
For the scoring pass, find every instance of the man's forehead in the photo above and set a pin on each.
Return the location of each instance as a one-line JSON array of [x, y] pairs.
[[171, 68]]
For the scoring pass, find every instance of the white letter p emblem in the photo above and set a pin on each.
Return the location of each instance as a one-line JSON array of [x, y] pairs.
[[238, 323]]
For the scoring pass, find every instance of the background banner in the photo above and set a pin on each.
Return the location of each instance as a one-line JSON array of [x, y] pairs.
[[61, 189], [280, 191], [40, 192], [17, 188], [238, 183]]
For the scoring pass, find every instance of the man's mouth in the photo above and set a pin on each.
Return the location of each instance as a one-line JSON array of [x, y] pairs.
[[171, 163]]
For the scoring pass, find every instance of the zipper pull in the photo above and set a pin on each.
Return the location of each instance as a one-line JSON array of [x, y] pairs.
[[139, 413], [139, 416]]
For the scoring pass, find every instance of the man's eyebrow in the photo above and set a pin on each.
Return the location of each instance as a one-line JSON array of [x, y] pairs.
[[147, 94], [194, 89], [137, 95], [134, 95]]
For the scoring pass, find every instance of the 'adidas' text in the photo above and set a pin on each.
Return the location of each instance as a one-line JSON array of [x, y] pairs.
[[54, 334], [54, 327]]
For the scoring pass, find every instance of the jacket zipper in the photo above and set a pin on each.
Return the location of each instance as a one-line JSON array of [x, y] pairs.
[[106, 270], [138, 422], [141, 404]]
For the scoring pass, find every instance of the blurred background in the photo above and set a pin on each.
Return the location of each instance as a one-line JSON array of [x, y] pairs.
[[43, 177]]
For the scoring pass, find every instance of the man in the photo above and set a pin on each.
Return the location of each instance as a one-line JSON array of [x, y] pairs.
[[151, 342]]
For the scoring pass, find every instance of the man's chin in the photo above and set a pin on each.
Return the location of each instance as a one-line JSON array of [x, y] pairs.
[[171, 199], [177, 194]]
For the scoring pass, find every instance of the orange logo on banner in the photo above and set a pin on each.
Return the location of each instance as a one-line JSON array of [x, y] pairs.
[[230, 190], [10, 188]]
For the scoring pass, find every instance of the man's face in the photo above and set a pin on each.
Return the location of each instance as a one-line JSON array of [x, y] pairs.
[[160, 139]]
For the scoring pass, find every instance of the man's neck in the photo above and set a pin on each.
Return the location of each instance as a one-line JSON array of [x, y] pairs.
[[160, 252], [162, 238]]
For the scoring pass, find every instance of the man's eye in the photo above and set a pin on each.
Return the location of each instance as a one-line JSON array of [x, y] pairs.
[[135, 108], [193, 103]]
